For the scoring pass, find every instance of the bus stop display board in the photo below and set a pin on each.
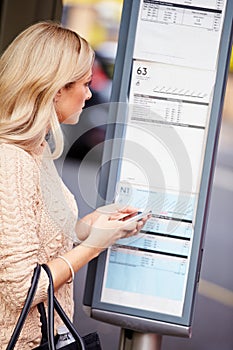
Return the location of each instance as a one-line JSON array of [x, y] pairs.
[[164, 122]]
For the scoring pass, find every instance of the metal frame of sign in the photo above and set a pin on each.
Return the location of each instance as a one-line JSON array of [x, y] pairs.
[[135, 318]]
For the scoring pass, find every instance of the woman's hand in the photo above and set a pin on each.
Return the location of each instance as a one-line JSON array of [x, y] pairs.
[[106, 231], [102, 228]]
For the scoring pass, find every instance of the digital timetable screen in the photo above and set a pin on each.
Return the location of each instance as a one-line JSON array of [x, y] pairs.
[[168, 137]]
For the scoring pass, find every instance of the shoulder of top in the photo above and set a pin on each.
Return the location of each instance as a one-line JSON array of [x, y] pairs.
[[13, 151]]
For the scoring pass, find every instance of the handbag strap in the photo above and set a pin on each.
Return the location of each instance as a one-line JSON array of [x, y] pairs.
[[26, 308], [54, 304], [43, 320], [69, 324]]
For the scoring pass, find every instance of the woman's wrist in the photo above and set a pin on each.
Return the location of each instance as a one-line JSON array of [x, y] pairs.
[[69, 266], [94, 251], [77, 257]]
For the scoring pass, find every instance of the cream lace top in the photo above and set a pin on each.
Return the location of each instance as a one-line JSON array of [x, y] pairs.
[[37, 219]]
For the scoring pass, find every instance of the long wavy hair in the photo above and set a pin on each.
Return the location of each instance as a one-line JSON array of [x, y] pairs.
[[41, 60]]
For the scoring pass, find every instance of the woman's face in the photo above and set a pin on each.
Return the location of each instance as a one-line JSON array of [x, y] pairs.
[[70, 100]]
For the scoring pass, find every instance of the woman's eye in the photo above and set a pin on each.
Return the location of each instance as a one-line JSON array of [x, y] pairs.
[[88, 84]]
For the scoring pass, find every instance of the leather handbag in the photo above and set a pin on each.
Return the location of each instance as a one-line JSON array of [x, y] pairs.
[[48, 342]]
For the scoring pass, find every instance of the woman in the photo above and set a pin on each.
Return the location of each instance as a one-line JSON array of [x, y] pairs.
[[45, 76]]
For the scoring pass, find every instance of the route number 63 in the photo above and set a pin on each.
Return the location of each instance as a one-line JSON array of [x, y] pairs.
[[142, 71]]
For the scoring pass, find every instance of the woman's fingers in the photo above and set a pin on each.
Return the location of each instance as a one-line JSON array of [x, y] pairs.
[[106, 229]]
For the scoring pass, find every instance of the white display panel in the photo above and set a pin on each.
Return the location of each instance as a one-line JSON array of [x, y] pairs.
[[170, 101]]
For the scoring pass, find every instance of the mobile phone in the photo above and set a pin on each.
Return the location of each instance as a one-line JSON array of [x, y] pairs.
[[135, 216]]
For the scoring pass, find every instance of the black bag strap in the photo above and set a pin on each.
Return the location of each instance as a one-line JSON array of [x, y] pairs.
[[47, 323], [54, 304], [26, 308], [43, 320]]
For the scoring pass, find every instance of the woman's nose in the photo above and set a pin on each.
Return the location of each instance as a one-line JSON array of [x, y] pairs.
[[89, 95]]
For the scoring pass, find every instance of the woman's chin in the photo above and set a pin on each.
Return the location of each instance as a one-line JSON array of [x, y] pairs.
[[73, 119]]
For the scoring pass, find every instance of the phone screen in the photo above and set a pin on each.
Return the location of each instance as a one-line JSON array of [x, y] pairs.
[[129, 216]]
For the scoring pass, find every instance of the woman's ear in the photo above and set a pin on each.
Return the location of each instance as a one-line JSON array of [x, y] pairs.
[[58, 95]]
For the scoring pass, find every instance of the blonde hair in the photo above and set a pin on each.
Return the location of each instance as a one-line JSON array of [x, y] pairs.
[[40, 61]]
